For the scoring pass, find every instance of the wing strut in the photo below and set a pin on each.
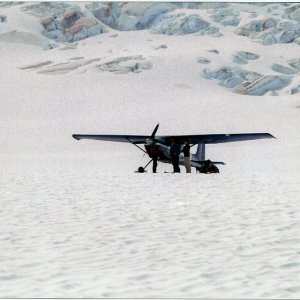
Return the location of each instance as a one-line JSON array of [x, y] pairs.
[[136, 145], [148, 164]]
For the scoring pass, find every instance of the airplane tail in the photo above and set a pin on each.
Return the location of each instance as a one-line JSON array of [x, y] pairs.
[[200, 154]]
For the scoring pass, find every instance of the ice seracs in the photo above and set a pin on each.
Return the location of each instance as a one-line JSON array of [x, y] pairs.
[[268, 31], [294, 63], [129, 16], [247, 83], [73, 26], [283, 69], [292, 12], [226, 17], [242, 57], [83, 28], [244, 69], [180, 24], [262, 85], [248, 55], [126, 64]]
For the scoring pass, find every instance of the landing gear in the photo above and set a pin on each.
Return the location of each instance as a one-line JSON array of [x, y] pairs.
[[141, 170]]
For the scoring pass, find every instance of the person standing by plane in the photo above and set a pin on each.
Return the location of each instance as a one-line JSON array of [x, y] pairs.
[[186, 153], [154, 151], [174, 152]]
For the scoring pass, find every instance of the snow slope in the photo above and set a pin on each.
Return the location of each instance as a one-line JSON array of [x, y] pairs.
[[77, 221]]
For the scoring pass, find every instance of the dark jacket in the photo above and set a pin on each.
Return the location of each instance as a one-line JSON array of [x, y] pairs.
[[175, 150], [186, 150], [154, 151]]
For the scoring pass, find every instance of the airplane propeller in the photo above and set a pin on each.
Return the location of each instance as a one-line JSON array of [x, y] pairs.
[[154, 131]]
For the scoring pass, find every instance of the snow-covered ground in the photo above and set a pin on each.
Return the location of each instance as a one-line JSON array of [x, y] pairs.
[[76, 220]]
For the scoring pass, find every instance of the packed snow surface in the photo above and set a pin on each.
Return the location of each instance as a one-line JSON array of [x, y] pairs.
[[66, 234], [77, 221]]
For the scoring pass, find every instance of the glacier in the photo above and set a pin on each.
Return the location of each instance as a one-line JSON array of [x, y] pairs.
[[77, 221], [62, 24]]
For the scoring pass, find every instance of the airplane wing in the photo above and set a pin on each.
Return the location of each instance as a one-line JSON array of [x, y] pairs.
[[192, 139], [215, 138], [135, 139]]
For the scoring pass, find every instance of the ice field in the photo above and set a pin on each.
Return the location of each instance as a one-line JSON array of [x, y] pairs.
[[77, 221]]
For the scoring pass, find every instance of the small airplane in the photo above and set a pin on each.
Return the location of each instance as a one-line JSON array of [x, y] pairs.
[[198, 160]]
